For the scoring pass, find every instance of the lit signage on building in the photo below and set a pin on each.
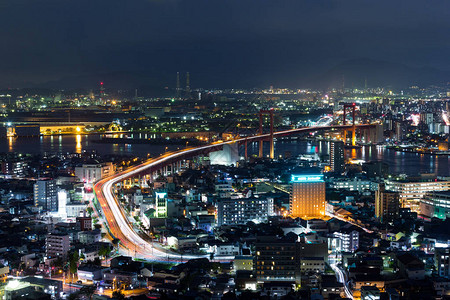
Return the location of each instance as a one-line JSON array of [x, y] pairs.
[[307, 178], [160, 195]]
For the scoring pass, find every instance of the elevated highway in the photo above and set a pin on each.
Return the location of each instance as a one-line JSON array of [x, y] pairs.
[[140, 245]]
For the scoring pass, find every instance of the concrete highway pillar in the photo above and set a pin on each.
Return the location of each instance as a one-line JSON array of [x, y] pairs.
[[354, 135], [245, 145]]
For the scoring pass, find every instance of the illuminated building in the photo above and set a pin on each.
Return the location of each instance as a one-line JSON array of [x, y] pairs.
[[307, 196], [281, 259], [436, 205], [354, 184], [337, 158], [349, 240], [411, 192], [442, 261], [387, 204], [276, 259], [90, 173], [45, 195], [161, 204], [241, 211]]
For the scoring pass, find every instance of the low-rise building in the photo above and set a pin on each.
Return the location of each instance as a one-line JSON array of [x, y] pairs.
[[243, 263], [91, 273], [312, 264], [436, 205], [89, 237], [226, 249]]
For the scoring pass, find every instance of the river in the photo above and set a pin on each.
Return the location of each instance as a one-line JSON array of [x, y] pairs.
[[399, 162]]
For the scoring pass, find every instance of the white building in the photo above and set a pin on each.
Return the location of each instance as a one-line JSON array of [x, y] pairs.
[[90, 173], [411, 192], [73, 210], [226, 249], [349, 240], [354, 184], [243, 210]]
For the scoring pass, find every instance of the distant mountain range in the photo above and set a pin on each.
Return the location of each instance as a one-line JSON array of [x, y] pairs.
[[350, 73], [355, 73]]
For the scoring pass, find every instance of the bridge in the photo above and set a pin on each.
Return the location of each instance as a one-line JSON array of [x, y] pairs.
[[140, 244]]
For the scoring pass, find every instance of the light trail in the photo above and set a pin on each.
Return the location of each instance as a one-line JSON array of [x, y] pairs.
[[340, 273], [118, 223]]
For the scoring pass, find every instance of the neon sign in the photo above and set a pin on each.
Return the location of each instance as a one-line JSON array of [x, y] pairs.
[[306, 178]]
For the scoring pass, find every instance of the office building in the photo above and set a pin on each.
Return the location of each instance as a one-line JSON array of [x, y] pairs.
[[411, 191], [337, 157], [57, 245], [243, 210], [436, 205], [90, 173], [387, 204], [45, 195], [281, 259], [276, 259], [307, 196], [14, 168], [354, 184]]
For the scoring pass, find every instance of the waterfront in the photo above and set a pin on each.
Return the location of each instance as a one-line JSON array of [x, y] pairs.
[[399, 162]]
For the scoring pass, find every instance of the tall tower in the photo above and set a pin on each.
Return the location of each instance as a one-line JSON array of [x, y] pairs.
[[307, 199], [102, 92], [337, 158], [387, 204], [188, 85], [178, 90]]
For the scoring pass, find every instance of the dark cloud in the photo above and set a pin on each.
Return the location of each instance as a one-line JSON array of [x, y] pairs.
[[221, 42]]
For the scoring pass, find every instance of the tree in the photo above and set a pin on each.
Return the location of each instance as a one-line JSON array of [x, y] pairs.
[[90, 210], [73, 262], [116, 243], [104, 251]]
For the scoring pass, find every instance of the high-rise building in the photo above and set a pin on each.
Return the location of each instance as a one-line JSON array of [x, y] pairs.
[[280, 259], [57, 245], [387, 204], [243, 210], [45, 195], [307, 196], [337, 158]]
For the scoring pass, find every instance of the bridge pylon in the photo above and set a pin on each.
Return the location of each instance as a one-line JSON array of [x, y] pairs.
[[272, 149], [353, 130]]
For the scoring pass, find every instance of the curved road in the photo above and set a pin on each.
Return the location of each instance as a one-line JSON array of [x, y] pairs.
[[118, 223]]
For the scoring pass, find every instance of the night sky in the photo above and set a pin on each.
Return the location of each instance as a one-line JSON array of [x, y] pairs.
[[222, 43]]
